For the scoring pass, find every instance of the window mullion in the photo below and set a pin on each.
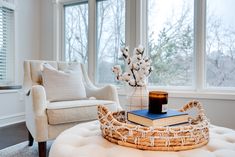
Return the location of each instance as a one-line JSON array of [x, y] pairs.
[[131, 24], [57, 32], [91, 39], [141, 22], [199, 43]]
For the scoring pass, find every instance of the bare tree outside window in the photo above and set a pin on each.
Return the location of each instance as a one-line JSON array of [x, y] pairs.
[[220, 44], [76, 32], [110, 35], [110, 38]]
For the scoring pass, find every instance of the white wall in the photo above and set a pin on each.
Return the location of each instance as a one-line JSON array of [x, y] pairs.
[[27, 33], [27, 46], [46, 48], [219, 112], [12, 108]]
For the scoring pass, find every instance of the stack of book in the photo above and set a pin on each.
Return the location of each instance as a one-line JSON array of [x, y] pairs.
[[171, 118]]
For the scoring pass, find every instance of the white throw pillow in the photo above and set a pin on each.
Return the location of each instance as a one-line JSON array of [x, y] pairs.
[[61, 85]]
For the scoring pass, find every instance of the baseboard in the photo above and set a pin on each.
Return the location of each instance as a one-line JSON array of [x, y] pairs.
[[12, 119]]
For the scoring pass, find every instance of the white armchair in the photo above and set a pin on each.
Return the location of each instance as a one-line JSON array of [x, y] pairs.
[[46, 120]]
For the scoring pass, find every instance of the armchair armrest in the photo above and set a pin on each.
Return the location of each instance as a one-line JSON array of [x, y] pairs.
[[36, 118], [39, 100], [108, 92]]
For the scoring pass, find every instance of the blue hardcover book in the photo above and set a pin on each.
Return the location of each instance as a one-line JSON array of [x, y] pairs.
[[143, 117]]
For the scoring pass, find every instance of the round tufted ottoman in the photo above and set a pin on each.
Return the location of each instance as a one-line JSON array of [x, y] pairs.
[[85, 140]]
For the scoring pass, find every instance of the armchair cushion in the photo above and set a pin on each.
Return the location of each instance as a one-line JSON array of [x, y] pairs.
[[75, 111], [63, 85]]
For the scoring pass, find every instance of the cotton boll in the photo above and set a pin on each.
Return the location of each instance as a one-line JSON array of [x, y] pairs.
[[139, 50], [135, 52], [146, 72], [127, 49], [130, 66], [128, 60], [132, 82], [140, 83], [125, 52], [147, 60], [120, 78], [117, 70], [140, 47], [135, 58], [139, 57], [126, 76], [143, 65], [133, 66], [147, 64], [139, 67]]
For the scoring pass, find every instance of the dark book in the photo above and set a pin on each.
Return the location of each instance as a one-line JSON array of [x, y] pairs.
[[171, 118]]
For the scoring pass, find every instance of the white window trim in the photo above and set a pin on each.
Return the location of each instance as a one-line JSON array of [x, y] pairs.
[[57, 25], [92, 39], [189, 94], [199, 44]]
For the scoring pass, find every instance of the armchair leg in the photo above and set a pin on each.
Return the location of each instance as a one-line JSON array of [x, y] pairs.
[[30, 138], [42, 146]]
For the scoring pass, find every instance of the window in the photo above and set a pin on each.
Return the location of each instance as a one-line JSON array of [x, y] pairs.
[[110, 38], [191, 42], [6, 45], [76, 32], [170, 42], [220, 44], [172, 47]]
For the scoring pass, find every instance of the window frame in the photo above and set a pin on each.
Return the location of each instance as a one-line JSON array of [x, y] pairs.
[[136, 33]]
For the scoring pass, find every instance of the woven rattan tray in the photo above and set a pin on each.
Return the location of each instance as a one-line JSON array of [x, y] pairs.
[[116, 130]]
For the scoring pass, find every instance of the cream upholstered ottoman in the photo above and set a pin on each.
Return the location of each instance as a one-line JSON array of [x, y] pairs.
[[85, 140]]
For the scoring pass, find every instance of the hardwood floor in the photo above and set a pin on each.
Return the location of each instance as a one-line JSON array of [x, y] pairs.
[[13, 134]]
